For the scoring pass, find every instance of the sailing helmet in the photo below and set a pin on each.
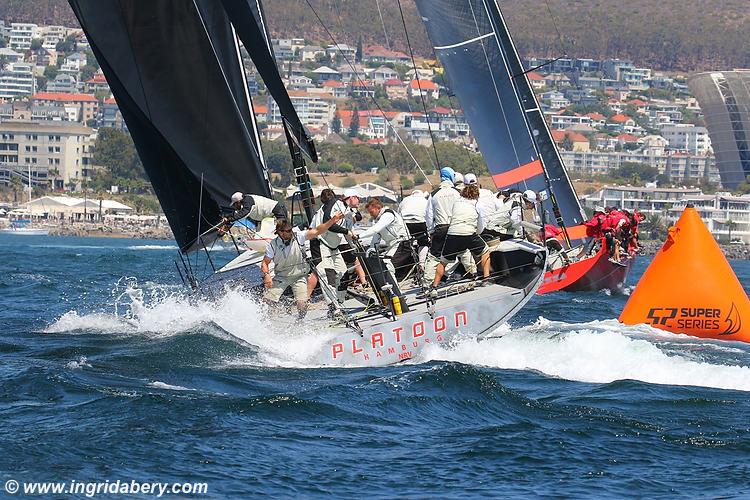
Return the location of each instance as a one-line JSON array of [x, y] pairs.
[[529, 196], [470, 179], [237, 197], [458, 178], [447, 174]]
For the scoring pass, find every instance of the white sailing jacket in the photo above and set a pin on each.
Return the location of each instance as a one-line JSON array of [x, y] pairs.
[[440, 208], [413, 208], [466, 218]]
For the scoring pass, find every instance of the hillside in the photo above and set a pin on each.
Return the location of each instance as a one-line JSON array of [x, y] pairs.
[[679, 35]]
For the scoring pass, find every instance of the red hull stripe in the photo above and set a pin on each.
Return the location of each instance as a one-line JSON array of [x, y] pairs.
[[518, 174]]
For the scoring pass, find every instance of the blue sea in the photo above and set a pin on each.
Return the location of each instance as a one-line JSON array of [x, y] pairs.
[[566, 403]]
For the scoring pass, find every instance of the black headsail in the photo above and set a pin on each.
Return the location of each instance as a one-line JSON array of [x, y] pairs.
[[249, 20], [176, 79], [473, 43]]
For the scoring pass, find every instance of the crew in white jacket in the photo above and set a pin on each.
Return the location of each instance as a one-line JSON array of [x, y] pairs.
[[389, 235], [463, 234]]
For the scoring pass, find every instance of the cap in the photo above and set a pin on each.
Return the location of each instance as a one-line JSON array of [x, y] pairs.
[[530, 195], [417, 192], [237, 197], [599, 209], [470, 178], [458, 178], [348, 193], [447, 174]]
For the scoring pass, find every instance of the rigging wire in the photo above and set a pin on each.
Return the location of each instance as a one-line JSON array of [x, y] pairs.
[[419, 86], [361, 82], [454, 115], [382, 22]]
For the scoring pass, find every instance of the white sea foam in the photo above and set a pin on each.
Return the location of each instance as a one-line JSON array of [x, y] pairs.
[[152, 247], [78, 364], [596, 352], [600, 352], [161, 385]]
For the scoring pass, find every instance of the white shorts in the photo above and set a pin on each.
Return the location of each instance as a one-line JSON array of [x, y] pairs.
[[298, 284]]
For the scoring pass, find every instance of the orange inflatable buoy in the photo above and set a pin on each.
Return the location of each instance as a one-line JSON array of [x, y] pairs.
[[690, 288]]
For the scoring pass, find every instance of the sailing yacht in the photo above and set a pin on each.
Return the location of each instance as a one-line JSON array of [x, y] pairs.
[[474, 45], [183, 95]]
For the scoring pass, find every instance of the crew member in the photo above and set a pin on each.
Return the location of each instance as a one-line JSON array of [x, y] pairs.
[[494, 212], [438, 217], [291, 268], [332, 266], [388, 233], [462, 235], [413, 210], [594, 230], [254, 207], [351, 217]]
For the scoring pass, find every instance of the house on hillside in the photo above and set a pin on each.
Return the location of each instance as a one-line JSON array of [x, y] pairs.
[[425, 88]]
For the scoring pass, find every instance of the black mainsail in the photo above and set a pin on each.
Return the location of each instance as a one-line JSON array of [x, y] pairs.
[[179, 84], [474, 46]]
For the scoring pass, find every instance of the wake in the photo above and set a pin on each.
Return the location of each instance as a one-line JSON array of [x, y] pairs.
[[593, 352]]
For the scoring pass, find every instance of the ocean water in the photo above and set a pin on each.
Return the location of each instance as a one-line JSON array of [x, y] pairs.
[[566, 402]]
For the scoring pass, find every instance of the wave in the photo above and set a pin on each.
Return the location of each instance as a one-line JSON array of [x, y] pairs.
[[162, 385], [152, 247], [593, 352], [604, 352]]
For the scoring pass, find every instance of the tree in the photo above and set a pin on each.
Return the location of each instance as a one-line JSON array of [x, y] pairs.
[[67, 46], [36, 43], [358, 54], [115, 150], [336, 125], [87, 72], [354, 125], [567, 143], [50, 72], [637, 172], [347, 182]]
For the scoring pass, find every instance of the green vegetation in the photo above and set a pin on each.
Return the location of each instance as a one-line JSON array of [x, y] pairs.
[[115, 151]]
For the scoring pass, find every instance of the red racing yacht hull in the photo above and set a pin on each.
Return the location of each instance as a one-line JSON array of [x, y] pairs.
[[587, 275]]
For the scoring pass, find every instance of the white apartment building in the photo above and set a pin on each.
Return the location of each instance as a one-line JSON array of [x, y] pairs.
[[52, 35], [720, 212], [686, 137], [723, 214], [565, 121], [21, 35], [63, 147], [678, 167], [314, 110], [17, 80]]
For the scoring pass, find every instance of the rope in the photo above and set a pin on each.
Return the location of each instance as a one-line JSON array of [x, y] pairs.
[[361, 82], [419, 85]]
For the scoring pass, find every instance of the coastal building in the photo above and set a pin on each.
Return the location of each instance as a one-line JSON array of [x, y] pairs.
[[21, 35], [17, 80], [678, 167], [316, 110], [72, 209], [63, 83], [86, 104], [727, 217], [724, 98], [63, 149], [721, 212], [688, 138]]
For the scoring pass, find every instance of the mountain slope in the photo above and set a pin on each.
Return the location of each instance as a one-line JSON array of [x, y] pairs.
[[666, 34]]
